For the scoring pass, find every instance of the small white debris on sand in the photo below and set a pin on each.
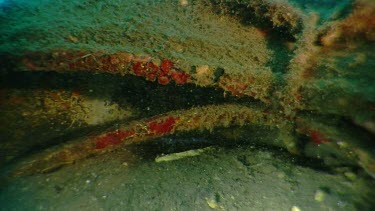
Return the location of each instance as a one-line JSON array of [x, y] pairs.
[[180, 155], [295, 208], [184, 2], [212, 203], [319, 196]]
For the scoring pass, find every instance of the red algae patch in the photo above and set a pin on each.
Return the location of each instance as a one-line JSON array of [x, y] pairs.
[[180, 77], [113, 138], [317, 137], [166, 66], [162, 127]]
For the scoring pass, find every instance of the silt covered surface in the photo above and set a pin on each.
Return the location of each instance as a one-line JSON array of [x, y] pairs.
[[264, 104]]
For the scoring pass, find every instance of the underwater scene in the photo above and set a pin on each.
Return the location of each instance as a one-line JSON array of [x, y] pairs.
[[187, 105]]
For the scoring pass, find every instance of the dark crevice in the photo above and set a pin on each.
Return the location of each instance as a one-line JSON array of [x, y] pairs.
[[190, 141], [344, 124], [259, 14], [281, 54], [147, 98]]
